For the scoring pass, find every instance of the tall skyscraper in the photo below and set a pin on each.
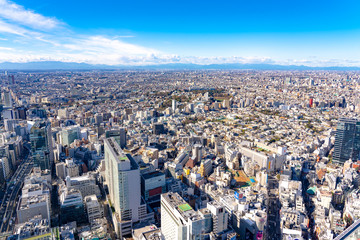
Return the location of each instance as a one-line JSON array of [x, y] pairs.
[[347, 140], [197, 152], [41, 144], [5, 162], [119, 134], [123, 180], [174, 105], [7, 99]]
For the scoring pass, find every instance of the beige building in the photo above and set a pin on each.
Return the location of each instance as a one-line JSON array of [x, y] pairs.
[[93, 208]]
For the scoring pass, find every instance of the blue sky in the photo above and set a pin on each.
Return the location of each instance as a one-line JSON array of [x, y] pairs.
[[314, 33]]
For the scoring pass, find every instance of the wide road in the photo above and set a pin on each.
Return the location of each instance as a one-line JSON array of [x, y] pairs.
[[9, 203]]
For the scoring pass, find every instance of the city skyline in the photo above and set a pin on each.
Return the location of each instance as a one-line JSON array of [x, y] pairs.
[[320, 34], [165, 155]]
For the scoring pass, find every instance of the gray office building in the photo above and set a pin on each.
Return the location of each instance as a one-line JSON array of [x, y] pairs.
[[41, 144], [347, 140]]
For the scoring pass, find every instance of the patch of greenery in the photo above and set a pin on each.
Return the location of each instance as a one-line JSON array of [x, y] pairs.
[[274, 139], [269, 112], [193, 120]]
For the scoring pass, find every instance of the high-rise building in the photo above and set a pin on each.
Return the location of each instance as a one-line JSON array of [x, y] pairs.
[[123, 180], [180, 221], [197, 152], [174, 105], [41, 144], [219, 217], [5, 167], [60, 170], [22, 112], [4, 149], [206, 167], [347, 140], [98, 118], [10, 113], [69, 134], [119, 135], [7, 99]]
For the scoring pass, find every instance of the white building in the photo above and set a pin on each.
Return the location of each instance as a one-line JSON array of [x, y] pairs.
[[219, 217], [174, 105], [86, 184], [179, 221], [72, 169], [93, 208], [60, 170], [63, 113], [5, 166], [7, 99], [35, 198], [123, 180]]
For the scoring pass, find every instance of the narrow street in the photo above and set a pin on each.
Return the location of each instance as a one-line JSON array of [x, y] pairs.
[[273, 206], [309, 209]]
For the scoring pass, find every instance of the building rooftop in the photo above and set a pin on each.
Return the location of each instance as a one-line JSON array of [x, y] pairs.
[[152, 174], [179, 204]]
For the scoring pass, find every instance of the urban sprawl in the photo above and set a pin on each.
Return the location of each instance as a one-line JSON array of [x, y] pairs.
[[180, 155]]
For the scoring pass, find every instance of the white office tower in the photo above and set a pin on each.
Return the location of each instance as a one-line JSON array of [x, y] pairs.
[[5, 168], [180, 222], [174, 105], [123, 179], [61, 170], [7, 99], [197, 152], [219, 215]]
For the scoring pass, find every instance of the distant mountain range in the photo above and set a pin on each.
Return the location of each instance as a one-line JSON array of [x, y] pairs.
[[54, 65]]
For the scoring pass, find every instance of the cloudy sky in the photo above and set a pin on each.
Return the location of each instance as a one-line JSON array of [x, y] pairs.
[[136, 32]]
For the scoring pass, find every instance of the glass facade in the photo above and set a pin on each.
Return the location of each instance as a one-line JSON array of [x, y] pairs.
[[73, 213], [347, 141], [39, 139]]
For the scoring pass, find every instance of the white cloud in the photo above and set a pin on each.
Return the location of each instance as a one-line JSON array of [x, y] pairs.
[[15, 13], [12, 29], [6, 49], [100, 44]]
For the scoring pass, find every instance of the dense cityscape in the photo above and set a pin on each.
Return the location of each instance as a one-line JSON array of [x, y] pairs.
[[180, 155]]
